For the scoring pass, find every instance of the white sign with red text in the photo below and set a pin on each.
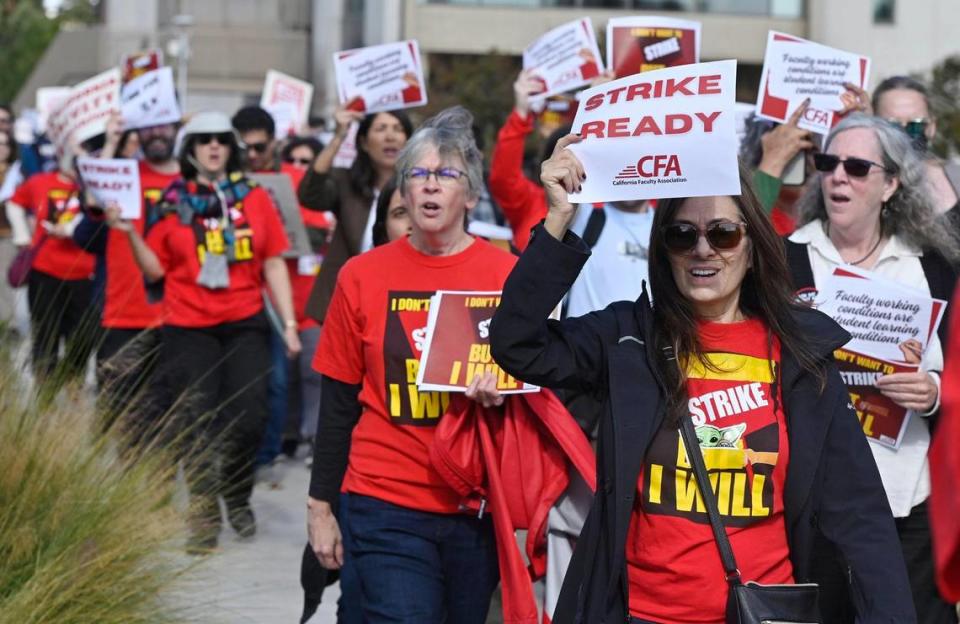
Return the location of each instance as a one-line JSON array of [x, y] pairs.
[[565, 58], [288, 99], [795, 69], [150, 99], [84, 113], [381, 77], [113, 181], [664, 133], [49, 99]]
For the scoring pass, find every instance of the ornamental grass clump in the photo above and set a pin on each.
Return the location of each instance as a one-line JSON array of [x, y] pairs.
[[87, 533]]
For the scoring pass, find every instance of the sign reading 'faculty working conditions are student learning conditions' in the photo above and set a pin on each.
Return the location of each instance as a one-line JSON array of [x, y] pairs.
[[665, 133]]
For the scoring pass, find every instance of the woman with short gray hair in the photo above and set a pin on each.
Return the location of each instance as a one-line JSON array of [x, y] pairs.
[[399, 530], [871, 208]]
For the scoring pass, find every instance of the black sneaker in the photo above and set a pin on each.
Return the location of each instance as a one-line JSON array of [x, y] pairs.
[[201, 543], [243, 522]]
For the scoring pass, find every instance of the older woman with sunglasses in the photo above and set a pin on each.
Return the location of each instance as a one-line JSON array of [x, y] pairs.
[[726, 346], [871, 208]]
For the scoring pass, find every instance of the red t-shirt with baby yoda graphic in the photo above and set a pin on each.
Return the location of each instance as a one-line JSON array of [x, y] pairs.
[[673, 564]]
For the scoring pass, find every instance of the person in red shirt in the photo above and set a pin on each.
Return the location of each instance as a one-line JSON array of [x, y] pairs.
[[60, 287], [217, 240], [128, 352], [415, 556]]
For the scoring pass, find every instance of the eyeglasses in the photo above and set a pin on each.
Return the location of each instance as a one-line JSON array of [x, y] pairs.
[[856, 167], [915, 128], [445, 176], [223, 138], [258, 147], [306, 162], [721, 235]]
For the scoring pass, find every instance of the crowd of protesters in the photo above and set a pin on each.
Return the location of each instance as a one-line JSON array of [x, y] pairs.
[[208, 336]]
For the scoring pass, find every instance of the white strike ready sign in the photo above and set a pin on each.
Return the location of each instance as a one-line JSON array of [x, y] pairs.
[[84, 113], [113, 181], [288, 99], [150, 100], [382, 77], [795, 69], [659, 134], [565, 58]]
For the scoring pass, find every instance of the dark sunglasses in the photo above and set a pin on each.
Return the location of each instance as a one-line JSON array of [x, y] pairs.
[[856, 167], [258, 147], [223, 138], [299, 161], [721, 235], [915, 128]]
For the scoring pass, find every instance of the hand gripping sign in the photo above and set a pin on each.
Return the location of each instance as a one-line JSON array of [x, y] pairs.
[[381, 77], [113, 181], [795, 69], [565, 58], [665, 133]]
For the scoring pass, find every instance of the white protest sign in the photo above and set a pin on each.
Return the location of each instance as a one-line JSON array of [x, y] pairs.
[[643, 43], [795, 69], [665, 133], [150, 100], [288, 100], [382, 77], [87, 108], [49, 99], [886, 319], [113, 181], [565, 58]]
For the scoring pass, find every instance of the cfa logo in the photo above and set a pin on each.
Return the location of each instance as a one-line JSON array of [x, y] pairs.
[[658, 166], [483, 328]]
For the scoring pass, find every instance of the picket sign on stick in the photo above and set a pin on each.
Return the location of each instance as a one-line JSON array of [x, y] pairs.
[[150, 99], [565, 58], [288, 99], [113, 181], [381, 77], [795, 69], [665, 133], [646, 43]]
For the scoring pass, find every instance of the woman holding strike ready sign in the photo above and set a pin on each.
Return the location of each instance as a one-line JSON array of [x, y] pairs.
[[726, 364]]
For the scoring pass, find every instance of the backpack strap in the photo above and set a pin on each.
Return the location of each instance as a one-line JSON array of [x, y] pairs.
[[798, 261], [594, 227]]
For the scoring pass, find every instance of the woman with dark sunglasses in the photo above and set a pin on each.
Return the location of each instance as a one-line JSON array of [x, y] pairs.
[[871, 207], [215, 241], [725, 345]]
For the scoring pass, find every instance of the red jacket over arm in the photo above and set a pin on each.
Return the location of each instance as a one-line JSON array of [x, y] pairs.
[[524, 203]]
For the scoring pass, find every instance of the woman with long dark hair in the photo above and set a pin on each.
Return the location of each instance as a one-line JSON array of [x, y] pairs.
[[216, 241], [725, 346], [351, 194]]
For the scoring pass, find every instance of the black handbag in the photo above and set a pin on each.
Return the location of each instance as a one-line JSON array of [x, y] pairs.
[[750, 602]]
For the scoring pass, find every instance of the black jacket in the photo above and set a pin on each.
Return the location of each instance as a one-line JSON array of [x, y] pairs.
[[832, 481]]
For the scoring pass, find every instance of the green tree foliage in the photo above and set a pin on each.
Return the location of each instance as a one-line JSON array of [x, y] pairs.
[[26, 31], [945, 100]]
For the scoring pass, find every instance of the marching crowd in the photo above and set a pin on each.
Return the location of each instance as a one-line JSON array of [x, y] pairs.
[[672, 312]]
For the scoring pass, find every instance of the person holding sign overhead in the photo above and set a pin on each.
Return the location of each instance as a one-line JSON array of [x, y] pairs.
[[725, 346], [399, 528], [216, 240], [871, 208]]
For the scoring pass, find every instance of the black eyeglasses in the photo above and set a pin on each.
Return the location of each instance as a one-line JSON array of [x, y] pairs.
[[299, 161], [444, 175], [856, 167], [721, 235], [258, 147], [223, 138]]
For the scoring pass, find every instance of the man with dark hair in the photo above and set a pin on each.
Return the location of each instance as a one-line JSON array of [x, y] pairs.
[[905, 102], [256, 128]]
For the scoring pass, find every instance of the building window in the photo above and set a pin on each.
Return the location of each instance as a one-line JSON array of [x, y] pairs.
[[883, 11]]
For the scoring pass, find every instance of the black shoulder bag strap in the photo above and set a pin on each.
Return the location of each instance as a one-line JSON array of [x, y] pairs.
[[594, 227], [798, 261]]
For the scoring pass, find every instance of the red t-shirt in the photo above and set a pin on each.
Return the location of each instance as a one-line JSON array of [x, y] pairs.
[[53, 198], [125, 303], [374, 333], [673, 565], [259, 235]]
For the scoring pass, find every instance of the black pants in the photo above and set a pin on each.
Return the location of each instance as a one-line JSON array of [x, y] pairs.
[[914, 531], [216, 381], [127, 380], [61, 310]]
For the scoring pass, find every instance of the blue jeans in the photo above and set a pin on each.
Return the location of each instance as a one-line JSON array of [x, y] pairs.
[[417, 567], [276, 401]]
